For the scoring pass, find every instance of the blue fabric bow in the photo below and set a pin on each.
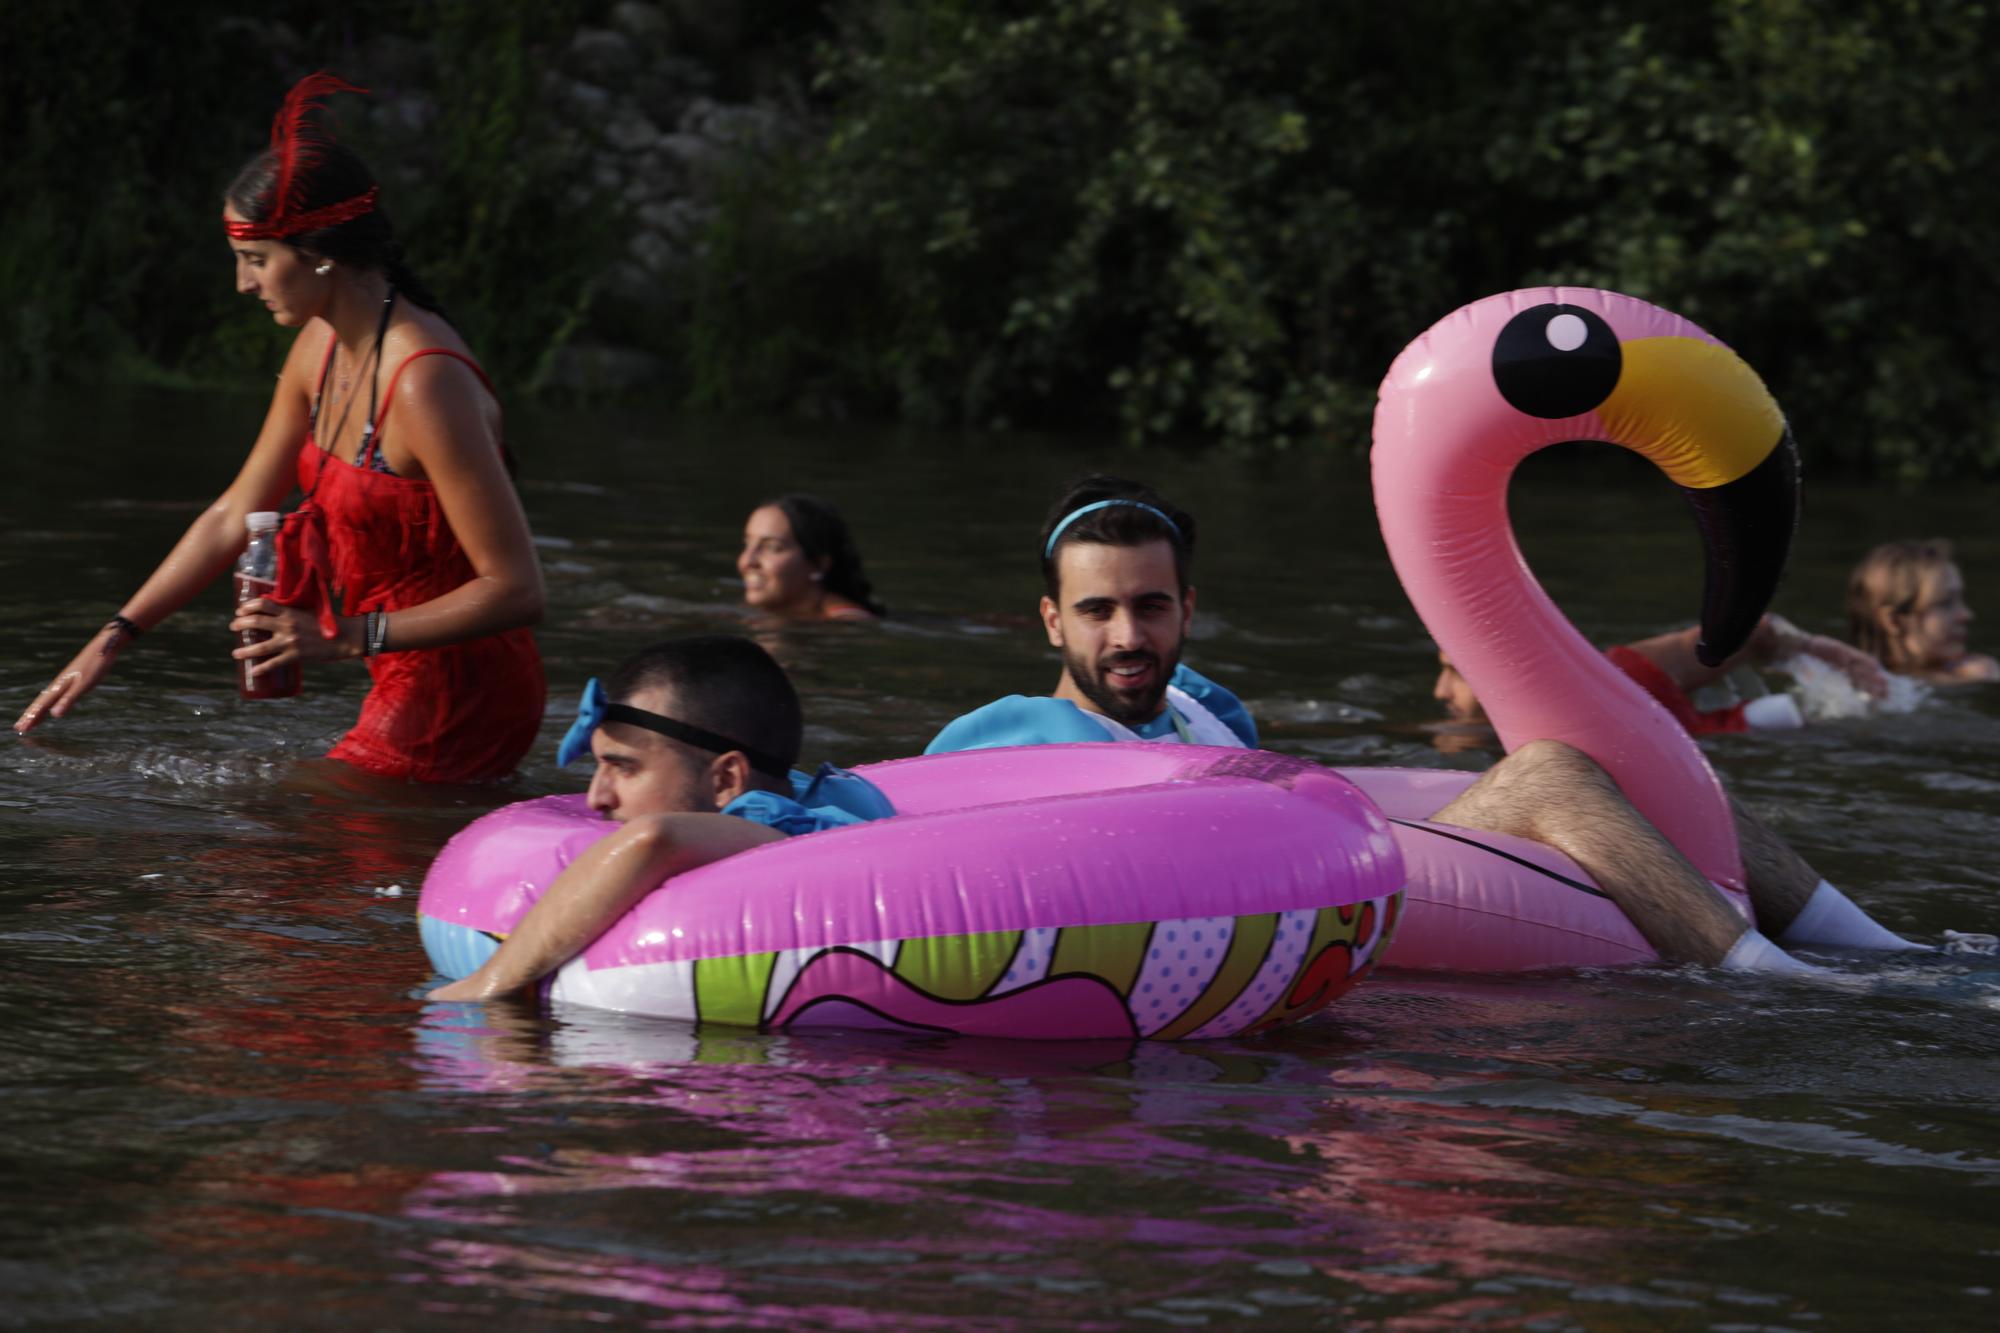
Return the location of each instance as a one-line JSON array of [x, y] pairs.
[[589, 717]]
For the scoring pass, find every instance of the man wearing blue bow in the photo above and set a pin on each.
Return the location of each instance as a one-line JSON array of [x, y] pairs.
[[694, 741]]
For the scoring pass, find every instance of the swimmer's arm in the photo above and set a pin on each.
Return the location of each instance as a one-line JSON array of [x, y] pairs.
[[213, 540], [599, 887], [441, 418], [267, 476], [1673, 653], [1774, 640]]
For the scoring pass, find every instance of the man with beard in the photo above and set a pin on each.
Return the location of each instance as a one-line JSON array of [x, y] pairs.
[[1116, 563], [1116, 566]]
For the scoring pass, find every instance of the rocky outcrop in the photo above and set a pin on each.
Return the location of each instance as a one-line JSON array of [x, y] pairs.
[[640, 100]]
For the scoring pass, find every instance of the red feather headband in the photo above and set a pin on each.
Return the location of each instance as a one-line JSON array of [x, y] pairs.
[[297, 146]]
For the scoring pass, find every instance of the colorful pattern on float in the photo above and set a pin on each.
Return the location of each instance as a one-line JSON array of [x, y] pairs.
[[1210, 828], [1167, 980]]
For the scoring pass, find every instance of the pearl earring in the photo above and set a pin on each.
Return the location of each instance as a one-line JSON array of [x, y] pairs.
[[324, 269]]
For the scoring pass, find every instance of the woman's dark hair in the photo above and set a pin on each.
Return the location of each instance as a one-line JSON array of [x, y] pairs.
[[328, 174], [1136, 514], [334, 174], [822, 534]]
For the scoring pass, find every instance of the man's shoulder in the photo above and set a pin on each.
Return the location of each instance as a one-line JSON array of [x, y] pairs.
[[1018, 719]]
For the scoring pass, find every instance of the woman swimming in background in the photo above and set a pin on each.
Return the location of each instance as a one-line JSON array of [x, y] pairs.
[[799, 561], [412, 517], [1906, 614], [1906, 605], [1666, 667]]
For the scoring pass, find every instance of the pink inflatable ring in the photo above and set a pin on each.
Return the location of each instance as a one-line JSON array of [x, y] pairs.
[[1075, 891]]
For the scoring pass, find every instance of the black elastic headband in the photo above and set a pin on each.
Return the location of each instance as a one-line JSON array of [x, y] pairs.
[[699, 737]]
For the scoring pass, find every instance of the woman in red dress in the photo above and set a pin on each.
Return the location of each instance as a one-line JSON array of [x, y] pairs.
[[410, 549]]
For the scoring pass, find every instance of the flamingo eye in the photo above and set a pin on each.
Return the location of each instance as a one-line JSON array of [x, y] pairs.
[[1556, 361]]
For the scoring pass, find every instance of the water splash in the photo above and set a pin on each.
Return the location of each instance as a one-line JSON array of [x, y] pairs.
[[1825, 694]]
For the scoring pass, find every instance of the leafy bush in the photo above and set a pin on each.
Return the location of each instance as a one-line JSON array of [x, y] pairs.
[[124, 121], [1225, 219]]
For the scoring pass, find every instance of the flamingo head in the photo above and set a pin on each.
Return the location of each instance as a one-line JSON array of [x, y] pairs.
[[1517, 372]]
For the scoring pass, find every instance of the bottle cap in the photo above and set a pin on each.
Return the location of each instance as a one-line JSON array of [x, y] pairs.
[[264, 520]]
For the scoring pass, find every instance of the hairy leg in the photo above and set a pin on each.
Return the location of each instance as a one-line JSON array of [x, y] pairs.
[[1554, 794], [1778, 878], [1794, 905]]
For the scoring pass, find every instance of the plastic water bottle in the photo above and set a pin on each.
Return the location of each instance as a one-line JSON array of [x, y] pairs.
[[257, 576]]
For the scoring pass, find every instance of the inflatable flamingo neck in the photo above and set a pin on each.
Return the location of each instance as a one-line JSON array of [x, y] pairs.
[[1447, 442]]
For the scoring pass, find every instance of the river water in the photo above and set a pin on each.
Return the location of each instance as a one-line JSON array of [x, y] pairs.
[[226, 1105]]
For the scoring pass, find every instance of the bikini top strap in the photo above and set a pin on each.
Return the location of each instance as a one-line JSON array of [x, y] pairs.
[[319, 390], [389, 398]]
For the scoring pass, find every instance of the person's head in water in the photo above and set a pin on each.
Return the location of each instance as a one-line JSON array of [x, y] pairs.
[[687, 726], [1455, 693], [1117, 566], [799, 559], [306, 212], [1906, 605]]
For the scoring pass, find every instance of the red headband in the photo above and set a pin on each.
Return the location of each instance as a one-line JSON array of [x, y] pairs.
[[279, 227], [296, 145]]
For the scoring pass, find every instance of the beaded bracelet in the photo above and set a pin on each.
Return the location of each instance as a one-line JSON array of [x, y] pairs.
[[124, 623]]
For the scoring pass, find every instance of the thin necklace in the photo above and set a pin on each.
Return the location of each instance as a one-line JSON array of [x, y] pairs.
[[374, 356]]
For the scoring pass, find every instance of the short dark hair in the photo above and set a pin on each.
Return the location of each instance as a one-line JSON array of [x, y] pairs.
[[1129, 524], [722, 683]]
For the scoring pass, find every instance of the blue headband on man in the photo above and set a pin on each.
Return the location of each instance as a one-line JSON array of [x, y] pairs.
[[1076, 514], [595, 709]]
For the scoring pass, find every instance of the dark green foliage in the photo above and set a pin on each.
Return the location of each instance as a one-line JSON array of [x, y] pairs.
[[110, 184], [521, 240], [1226, 218], [124, 121], [1207, 218]]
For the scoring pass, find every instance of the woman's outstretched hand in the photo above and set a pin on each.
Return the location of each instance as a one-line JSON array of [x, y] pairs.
[[295, 636], [74, 681]]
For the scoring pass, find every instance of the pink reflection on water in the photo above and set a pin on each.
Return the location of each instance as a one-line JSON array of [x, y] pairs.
[[696, 1296], [1208, 1159]]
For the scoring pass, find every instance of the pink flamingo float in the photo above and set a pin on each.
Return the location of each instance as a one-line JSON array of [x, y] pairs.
[[1461, 407]]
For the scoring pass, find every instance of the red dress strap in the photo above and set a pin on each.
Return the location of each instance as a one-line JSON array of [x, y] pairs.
[[389, 398]]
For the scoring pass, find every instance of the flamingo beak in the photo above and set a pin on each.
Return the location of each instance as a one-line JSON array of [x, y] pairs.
[[1705, 419]]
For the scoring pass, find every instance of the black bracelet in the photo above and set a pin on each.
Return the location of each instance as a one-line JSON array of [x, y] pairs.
[[132, 630]]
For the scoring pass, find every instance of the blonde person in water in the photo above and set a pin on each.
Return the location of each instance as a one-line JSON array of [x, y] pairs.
[[800, 562], [1906, 605]]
